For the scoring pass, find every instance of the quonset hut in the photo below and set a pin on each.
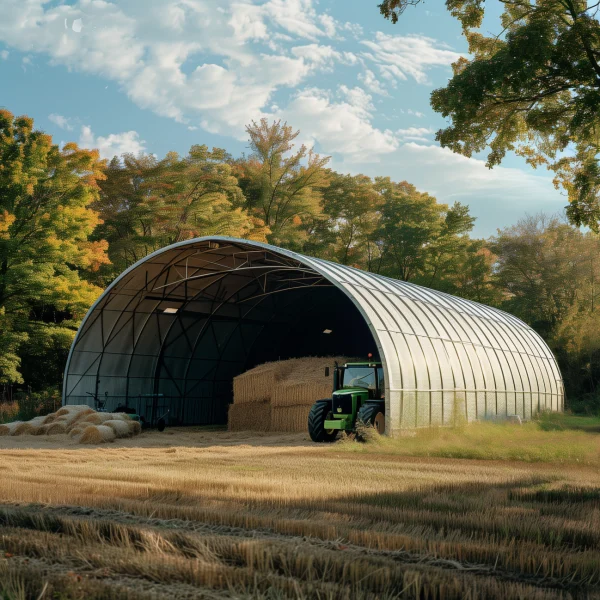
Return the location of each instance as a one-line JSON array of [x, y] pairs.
[[172, 331]]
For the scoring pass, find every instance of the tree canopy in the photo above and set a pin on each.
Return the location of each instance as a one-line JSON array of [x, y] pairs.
[[45, 229], [534, 88], [70, 223]]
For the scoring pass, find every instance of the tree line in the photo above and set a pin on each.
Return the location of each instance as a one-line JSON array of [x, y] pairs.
[[71, 222]]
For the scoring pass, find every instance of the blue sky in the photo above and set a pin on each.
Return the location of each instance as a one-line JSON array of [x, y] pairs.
[[161, 75]]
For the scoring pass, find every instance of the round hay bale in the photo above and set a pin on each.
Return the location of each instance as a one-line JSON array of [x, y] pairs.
[[135, 427], [37, 421], [119, 417], [6, 429], [23, 428], [97, 434], [76, 431], [93, 418], [82, 414], [41, 430], [71, 409], [12, 427], [91, 435], [121, 428], [56, 428], [49, 419]]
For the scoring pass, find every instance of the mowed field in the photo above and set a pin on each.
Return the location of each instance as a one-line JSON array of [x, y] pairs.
[[196, 513]]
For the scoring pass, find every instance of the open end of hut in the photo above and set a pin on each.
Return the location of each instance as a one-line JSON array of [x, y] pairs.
[[173, 331]]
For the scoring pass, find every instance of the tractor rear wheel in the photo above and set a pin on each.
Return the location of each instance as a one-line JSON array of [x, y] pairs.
[[371, 414], [316, 422]]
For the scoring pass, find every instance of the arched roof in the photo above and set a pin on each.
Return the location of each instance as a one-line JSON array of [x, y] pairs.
[[226, 300]]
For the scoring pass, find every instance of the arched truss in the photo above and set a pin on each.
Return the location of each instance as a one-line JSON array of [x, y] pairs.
[[182, 322]]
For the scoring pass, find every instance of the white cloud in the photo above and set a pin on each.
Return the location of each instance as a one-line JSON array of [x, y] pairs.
[[497, 197], [60, 121], [404, 56], [340, 125], [419, 134], [371, 82], [216, 63], [4, 54], [114, 144]]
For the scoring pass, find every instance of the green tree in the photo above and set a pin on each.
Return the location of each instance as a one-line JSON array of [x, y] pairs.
[[410, 222], [147, 203], [548, 272], [351, 204], [283, 188], [45, 228], [533, 88]]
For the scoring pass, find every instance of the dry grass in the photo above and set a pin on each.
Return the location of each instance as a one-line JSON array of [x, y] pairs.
[[530, 442], [195, 514]]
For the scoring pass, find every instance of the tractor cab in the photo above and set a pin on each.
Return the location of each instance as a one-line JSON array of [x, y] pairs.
[[358, 396]]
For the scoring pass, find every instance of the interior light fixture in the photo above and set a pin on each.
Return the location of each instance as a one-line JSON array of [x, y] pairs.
[[327, 331], [170, 311]]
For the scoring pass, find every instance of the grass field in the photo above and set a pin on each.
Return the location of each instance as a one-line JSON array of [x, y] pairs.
[[212, 514]]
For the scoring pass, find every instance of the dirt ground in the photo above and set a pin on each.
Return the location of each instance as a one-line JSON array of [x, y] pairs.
[[192, 437], [198, 513]]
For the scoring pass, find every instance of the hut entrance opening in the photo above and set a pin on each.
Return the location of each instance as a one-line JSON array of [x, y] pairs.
[[175, 330]]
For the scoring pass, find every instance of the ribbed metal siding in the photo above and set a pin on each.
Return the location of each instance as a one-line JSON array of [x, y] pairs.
[[447, 357], [444, 357]]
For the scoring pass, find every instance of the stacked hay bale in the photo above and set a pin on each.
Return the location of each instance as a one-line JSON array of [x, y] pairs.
[[251, 408], [277, 396], [82, 423]]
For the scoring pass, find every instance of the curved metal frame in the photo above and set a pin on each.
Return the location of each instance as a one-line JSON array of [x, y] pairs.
[[415, 330]]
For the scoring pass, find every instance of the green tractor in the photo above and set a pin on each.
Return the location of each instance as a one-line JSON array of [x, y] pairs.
[[358, 396]]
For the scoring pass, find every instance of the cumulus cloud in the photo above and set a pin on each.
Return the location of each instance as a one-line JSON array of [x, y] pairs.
[[212, 63], [341, 123], [404, 56], [496, 196], [60, 121], [418, 134], [4, 54], [114, 144], [371, 82]]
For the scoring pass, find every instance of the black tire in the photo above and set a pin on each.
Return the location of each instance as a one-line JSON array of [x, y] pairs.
[[370, 414], [316, 422]]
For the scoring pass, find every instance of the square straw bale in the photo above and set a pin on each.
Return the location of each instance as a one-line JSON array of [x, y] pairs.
[[249, 416], [256, 384], [290, 418], [306, 393]]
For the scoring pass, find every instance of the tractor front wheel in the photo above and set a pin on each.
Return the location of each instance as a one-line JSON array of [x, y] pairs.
[[316, 422], [371, 414]]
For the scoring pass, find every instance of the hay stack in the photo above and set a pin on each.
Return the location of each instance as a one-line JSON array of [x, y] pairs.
[[76, 421], [250, 416], [288, 387], [293, 393], [257, 384], [290, 418]]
